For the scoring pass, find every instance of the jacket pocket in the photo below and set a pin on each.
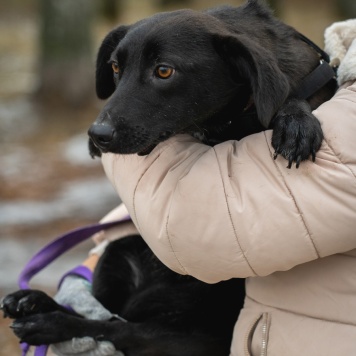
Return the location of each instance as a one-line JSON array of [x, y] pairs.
[[256, 339]]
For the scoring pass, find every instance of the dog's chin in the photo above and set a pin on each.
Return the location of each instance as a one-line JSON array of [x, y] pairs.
[[147, 150], [143, 149], [94, 151]]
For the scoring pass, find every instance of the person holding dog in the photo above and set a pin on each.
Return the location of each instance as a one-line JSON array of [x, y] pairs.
[[233, 211]]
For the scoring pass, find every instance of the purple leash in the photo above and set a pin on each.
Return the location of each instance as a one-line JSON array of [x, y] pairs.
[[52, 251]]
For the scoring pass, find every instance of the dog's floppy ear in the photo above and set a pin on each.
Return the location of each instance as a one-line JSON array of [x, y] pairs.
[[257, 66], [105, 85]]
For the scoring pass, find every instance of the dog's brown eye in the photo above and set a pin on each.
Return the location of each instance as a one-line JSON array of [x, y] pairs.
[[115, 67], [164, 72]]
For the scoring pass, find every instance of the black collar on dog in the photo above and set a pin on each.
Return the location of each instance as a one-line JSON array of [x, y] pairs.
[[319, 77], [323, 55]]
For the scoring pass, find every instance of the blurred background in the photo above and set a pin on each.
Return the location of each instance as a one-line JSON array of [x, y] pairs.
[[48, 182]]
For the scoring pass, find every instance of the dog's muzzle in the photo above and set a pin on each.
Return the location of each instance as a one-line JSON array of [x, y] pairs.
[[101, 135]]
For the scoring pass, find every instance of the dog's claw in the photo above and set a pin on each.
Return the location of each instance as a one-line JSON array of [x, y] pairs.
[[2, 307], [276, 153], [298, 160], [290, 163], [100, 338], [313, 155]]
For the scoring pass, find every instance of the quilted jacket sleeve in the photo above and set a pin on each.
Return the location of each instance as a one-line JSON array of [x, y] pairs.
[[234, 211]]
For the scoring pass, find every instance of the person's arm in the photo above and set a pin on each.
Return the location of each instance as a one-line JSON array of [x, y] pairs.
[[234, 211]]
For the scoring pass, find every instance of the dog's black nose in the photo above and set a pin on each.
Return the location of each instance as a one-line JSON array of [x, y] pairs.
[[101, 135]]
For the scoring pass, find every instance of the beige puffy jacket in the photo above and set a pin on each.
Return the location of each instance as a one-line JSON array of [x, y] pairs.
[[233, 211]]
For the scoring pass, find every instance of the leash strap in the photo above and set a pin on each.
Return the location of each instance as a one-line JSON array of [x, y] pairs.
[[57, 247], [81, 271], [322, 53], [52, 251]]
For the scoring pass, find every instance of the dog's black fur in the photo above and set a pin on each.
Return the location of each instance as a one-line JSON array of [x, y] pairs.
[[168, 314], [234, 72]]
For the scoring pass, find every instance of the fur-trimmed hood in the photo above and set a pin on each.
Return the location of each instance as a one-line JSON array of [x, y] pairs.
[[340, 42]]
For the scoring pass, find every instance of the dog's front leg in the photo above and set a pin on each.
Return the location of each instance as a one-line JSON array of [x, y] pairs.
[[48, 328], [55, 327], [297, 133], [133, 339]]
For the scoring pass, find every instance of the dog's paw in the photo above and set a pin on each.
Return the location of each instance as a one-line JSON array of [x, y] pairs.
[[27, 302], [42, 329], [297, 133]]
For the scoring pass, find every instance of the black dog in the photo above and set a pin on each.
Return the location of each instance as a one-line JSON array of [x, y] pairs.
[[168, 314], [220, 74]]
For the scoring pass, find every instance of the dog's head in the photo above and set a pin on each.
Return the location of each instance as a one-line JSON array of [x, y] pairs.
[[175, 71]]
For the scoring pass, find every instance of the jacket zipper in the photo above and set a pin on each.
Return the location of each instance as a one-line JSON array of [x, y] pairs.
[[264, 334], [248, 338]]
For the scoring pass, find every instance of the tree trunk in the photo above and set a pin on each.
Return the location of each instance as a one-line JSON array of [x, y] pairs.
[[66, 63], [347, 8]]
